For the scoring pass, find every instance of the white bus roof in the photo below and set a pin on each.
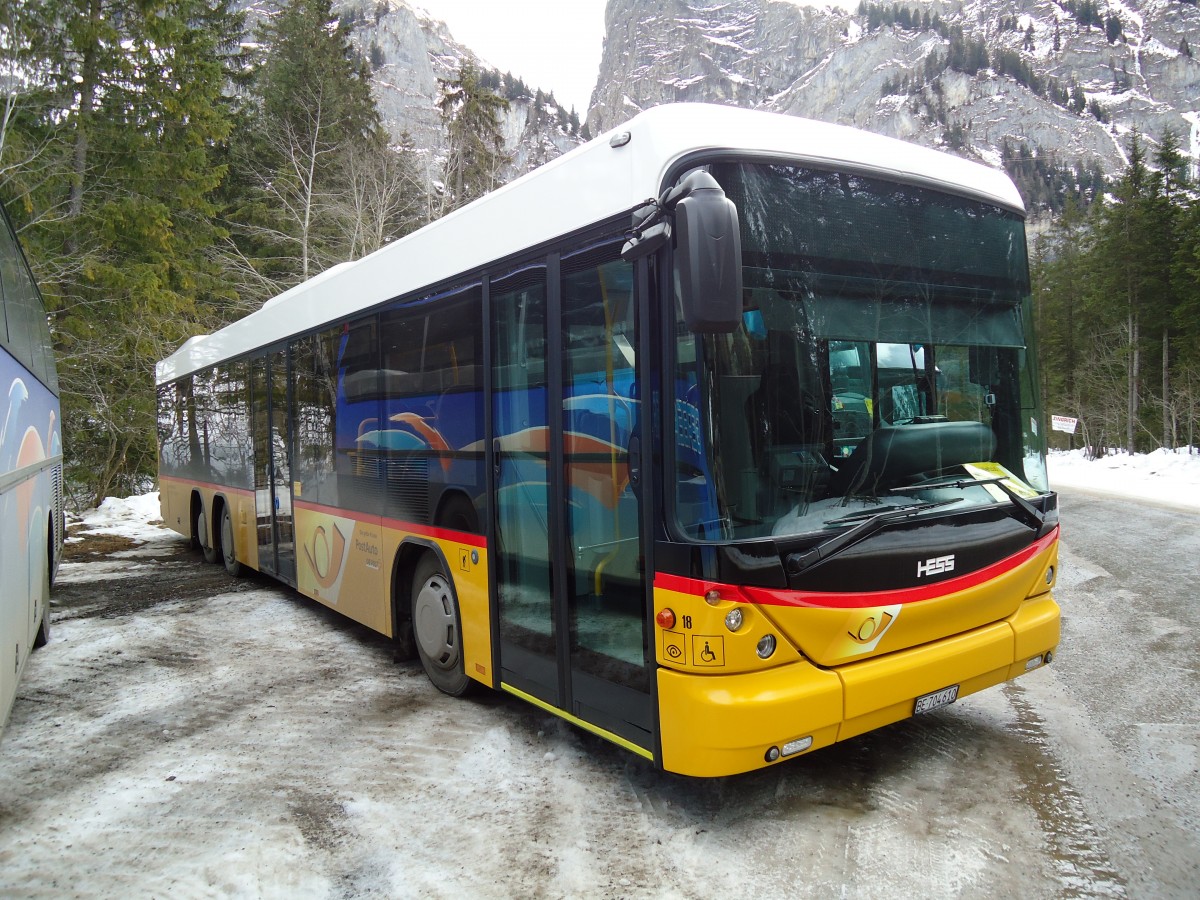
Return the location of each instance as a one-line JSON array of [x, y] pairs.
[[590, 184]]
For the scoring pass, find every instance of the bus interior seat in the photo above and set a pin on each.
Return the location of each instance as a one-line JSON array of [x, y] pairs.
[[891, 456]]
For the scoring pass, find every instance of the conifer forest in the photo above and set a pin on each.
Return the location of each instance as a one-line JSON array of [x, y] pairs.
[[166, 176], [170, 166]]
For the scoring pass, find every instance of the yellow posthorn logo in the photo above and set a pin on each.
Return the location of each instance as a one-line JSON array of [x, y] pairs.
[[326, 561], [872, 628]]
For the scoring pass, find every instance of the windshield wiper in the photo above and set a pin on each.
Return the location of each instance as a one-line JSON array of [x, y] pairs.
[[1030, 513], [797, 562]]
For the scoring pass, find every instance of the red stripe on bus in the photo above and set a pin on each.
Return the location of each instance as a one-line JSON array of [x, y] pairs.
[[855, 600], [441, 534], [209, 485]]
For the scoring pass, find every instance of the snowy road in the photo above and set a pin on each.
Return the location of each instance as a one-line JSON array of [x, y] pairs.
[[183, 735]]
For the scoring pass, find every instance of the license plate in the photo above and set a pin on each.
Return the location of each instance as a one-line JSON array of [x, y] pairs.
[[936, 700]]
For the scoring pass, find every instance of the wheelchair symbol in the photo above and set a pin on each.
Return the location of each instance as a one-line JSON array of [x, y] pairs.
[[708, 650]]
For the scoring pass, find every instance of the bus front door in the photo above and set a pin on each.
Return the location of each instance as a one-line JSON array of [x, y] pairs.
[[272, 466], [569, 575]]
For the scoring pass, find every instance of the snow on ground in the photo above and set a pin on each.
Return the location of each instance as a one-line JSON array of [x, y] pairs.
[[1170, 477], [128, 517]]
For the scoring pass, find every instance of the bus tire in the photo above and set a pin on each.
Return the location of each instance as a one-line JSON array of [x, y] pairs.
[[437, 629], [204, 535], [228, 544], [42, 637]]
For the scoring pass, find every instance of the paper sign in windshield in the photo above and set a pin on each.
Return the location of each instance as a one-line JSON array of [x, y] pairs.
[[985, 471]]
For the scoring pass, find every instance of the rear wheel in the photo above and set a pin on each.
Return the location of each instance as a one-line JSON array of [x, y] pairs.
[[437, 628], [43, 633], [42, 638], [204, 536], [228, 545]]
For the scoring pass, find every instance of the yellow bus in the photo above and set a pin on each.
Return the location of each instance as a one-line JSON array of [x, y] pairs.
[[718, 436]]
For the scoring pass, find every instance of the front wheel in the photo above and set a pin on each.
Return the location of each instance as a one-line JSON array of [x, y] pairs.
[[437, 628], [228, 546]]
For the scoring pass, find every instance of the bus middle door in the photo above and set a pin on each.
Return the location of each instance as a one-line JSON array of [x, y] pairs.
[[272, 465]]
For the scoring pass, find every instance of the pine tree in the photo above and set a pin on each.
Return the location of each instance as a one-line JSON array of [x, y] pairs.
[[1163, 218], [1078, 99], [475, 152], [1112, 28], [1134, 266], [1185, 271], [119, 214], [310, 106], [1060, 276]]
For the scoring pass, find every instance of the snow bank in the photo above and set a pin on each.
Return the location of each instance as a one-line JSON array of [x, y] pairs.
[[137, 518], [1164, 476]]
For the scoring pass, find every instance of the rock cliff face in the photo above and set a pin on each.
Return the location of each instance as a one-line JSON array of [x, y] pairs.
[[889, 75], [1059, 82], [410, 52]]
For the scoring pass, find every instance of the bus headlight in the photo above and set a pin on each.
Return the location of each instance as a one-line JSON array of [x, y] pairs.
[[734, 618]]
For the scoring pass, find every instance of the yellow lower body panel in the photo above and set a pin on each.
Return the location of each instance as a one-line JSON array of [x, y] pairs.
[[724, 724]]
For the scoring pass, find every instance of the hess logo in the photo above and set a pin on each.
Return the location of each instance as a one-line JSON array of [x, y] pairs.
[[936, 565]]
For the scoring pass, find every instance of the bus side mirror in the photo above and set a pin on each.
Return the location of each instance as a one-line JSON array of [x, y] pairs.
[[708, 257]]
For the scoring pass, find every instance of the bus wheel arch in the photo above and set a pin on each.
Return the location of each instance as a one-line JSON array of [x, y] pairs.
[[456, 512], [201, 530], [436, 624], [403, 568], [52, 549]]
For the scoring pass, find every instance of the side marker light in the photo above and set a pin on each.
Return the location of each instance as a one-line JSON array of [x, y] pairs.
[[1032, 664], [772, 754], [797, 746]]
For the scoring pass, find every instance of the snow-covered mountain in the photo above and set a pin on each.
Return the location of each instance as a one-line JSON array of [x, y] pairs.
[[1063, 81], [1067, 80]]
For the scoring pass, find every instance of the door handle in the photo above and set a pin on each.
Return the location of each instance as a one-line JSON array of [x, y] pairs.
[[635, 462]]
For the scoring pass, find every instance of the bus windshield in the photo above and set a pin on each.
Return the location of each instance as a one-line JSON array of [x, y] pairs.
[[883, 361]]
